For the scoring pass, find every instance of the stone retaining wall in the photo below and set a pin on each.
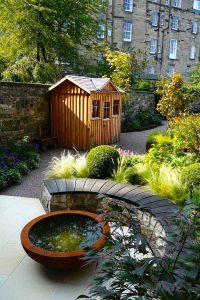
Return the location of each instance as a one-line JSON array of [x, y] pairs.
[[24, 108]]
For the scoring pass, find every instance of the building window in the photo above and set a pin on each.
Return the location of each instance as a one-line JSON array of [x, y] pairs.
[[96, 109], [109, 32], [192, 52], [166, 2], [151, 70], [127, 32], [175, 23], [153, 46], [177, 3], [172, 49], [196, 4], [106, 110], [128, 5], [162, 20], [115, 107], [154, 19], [170, 69], [101, 31], [194, 27], [110, 2]]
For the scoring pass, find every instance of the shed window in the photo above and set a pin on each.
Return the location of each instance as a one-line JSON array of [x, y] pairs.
[[96, 109], [106, 113], [115, 107]]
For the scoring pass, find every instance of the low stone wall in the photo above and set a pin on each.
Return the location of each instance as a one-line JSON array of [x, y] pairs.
[[144, 100], [24, 108]]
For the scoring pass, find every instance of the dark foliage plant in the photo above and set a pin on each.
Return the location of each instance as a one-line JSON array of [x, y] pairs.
[[142, 120], [17, 160], [130, 268], [102, 160]]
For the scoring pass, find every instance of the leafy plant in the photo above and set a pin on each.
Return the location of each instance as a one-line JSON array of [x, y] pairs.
[[23, 168], [187, 132], [130, 268], [34, 49], [190, 176], [13, 176], [195, 76], [175, 98], [102, 160], [126, 67], [141, 120], [151, 138]]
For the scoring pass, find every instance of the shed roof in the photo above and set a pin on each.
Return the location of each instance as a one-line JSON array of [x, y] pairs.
[[86, 83]]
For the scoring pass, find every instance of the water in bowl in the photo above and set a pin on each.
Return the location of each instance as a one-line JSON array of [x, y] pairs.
[[65, 233]]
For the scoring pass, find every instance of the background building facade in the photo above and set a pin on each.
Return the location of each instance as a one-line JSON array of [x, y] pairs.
[[167, 30]]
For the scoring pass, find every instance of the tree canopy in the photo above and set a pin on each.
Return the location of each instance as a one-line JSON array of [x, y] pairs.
[[126, 68], [39, 35]]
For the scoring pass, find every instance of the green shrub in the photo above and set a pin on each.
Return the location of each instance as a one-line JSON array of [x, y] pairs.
[[13, 176], [190, 176], [3, 180], [151, 138], [33, 155], [142, 120], [31, 163], [23, 168], [102, 160], [187, 132], [144, 85]]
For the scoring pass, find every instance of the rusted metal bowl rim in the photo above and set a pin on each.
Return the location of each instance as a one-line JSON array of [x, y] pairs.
[[27, 244]]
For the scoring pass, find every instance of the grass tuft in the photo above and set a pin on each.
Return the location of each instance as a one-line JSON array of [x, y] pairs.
[[164, 181]]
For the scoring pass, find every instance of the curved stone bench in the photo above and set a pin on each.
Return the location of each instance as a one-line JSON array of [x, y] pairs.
[[161, 208]]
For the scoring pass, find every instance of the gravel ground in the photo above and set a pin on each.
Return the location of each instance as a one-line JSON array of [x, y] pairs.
[[31, 184]]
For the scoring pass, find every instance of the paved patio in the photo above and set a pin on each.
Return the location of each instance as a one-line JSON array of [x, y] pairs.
[[22, 278]]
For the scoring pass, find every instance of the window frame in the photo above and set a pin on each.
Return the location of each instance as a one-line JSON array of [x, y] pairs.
[[175, 21], [108, 109], [194, 26], [196, 5], [128, 7], [177, 3], [171, 66], [99, 102], [192, 52], [130, 30], [173, 55], [154, 19], [101, 31], [155, 41], [118, 107]]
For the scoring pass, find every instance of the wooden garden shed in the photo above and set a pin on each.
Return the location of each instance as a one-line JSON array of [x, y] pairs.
[[85, 112]]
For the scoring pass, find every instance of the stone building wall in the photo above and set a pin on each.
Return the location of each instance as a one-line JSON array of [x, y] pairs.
[[143, 32], [24, 108]]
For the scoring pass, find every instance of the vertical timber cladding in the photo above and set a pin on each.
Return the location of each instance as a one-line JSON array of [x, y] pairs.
[[106, 131], [69, 115]]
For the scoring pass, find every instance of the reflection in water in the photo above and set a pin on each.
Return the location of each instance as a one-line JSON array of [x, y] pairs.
[[65, 233]]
